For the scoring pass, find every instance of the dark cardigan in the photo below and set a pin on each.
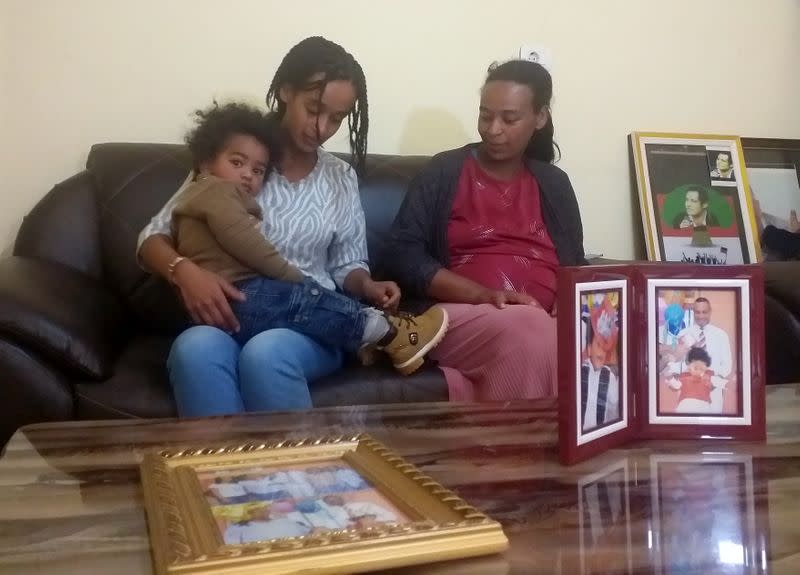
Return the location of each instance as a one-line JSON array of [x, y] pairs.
[[417, 246]]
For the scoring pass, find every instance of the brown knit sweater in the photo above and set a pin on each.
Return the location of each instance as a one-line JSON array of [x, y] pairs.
[[216, 225]]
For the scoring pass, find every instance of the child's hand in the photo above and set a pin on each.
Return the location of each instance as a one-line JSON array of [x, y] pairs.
[[717, 381], [385, 295]]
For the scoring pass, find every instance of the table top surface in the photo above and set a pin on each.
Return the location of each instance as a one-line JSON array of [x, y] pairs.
[[72, 502]]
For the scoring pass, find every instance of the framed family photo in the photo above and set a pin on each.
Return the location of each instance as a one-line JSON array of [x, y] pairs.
[[322, 505], [695, 199], [657, 351], [705, 353], [594, 394]]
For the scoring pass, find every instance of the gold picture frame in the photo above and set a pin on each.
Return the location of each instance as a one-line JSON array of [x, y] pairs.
[[192, 498], [694, 209]]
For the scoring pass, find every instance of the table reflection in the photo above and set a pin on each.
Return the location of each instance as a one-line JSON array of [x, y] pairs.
[[671, 514]]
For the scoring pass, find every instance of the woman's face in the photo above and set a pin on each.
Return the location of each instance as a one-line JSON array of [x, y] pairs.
[[507, 120], [310, 120]]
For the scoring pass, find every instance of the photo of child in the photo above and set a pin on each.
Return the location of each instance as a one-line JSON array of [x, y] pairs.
[[260, 504], [600, 355], [697, 336]]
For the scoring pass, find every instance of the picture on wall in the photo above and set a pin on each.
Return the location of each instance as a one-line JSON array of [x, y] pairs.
[[694, 199]]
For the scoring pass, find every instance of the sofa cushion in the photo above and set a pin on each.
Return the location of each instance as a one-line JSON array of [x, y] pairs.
[[138, 388], [357, 385], [66, 316]]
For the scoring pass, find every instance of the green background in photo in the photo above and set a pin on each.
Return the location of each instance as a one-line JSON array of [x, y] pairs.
[[675, 204]]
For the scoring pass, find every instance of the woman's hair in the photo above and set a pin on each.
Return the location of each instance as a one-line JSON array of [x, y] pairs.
[[537, 78], [217, 124], [317, 56]]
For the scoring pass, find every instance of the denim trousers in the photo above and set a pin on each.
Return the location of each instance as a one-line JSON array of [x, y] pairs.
[[327, 316], [211, 374]]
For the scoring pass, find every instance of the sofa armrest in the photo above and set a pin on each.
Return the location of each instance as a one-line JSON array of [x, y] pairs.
[[782, 282], [61, 314]]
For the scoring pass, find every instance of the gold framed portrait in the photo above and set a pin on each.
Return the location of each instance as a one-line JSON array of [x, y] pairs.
[[321, 505], [695, 198]]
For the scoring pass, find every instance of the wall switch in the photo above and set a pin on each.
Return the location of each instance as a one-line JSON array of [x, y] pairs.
[[537, 53]]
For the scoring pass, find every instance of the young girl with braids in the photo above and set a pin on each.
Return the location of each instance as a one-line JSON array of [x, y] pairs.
[[312, 215]]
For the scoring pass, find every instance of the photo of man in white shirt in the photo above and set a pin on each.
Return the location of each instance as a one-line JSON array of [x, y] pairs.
[[704, 335]]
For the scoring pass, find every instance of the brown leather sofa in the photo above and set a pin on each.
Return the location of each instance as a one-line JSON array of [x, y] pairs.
[[84, 332]]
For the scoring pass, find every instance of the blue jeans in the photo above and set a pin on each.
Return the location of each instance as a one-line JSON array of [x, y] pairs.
[[328, 317], [211, 374]]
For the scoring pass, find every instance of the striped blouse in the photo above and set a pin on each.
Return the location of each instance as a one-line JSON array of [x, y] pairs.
[[317, 224]]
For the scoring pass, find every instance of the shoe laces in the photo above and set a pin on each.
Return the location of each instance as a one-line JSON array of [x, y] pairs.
[[407, 318]]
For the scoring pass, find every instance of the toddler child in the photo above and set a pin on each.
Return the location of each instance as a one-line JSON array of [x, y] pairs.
[[216, 223]]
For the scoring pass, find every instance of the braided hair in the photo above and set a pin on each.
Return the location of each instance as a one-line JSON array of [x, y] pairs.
[[537, 78], [317, 56]]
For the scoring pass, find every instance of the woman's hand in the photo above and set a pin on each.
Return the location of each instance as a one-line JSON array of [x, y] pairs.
[[385, 295], [501, 299], [794, 223], [205, 296]]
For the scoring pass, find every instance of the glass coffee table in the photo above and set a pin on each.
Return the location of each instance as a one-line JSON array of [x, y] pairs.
[[71, 501]]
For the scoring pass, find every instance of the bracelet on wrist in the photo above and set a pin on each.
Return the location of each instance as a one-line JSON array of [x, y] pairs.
[[172, 265]]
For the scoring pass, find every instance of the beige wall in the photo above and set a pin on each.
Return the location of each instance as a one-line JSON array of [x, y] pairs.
[[83, 71]]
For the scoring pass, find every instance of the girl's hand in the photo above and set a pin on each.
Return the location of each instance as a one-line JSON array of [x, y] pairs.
[[205, 296]]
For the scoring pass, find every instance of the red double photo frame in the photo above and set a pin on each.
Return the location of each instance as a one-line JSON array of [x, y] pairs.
[[659, 351]]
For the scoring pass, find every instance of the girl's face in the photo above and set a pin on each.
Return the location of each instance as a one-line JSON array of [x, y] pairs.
[[310, 120]]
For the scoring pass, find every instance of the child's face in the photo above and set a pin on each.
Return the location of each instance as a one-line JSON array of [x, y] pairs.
[[597, 355], [697, 368], [243, 160]]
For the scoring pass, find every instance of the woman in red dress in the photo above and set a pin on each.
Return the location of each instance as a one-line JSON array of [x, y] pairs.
[[483, 230]]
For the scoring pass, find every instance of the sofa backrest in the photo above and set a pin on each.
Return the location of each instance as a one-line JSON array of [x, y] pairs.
[[92, 221]]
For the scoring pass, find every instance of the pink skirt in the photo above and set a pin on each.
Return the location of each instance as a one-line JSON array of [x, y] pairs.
[[492, 354]]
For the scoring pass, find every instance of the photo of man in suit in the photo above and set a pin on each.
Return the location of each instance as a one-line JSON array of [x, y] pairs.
[[723, 167], [696, 214]]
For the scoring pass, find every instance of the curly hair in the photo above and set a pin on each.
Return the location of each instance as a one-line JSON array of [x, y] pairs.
[[217, 124], [698, 354], [317, 56]]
